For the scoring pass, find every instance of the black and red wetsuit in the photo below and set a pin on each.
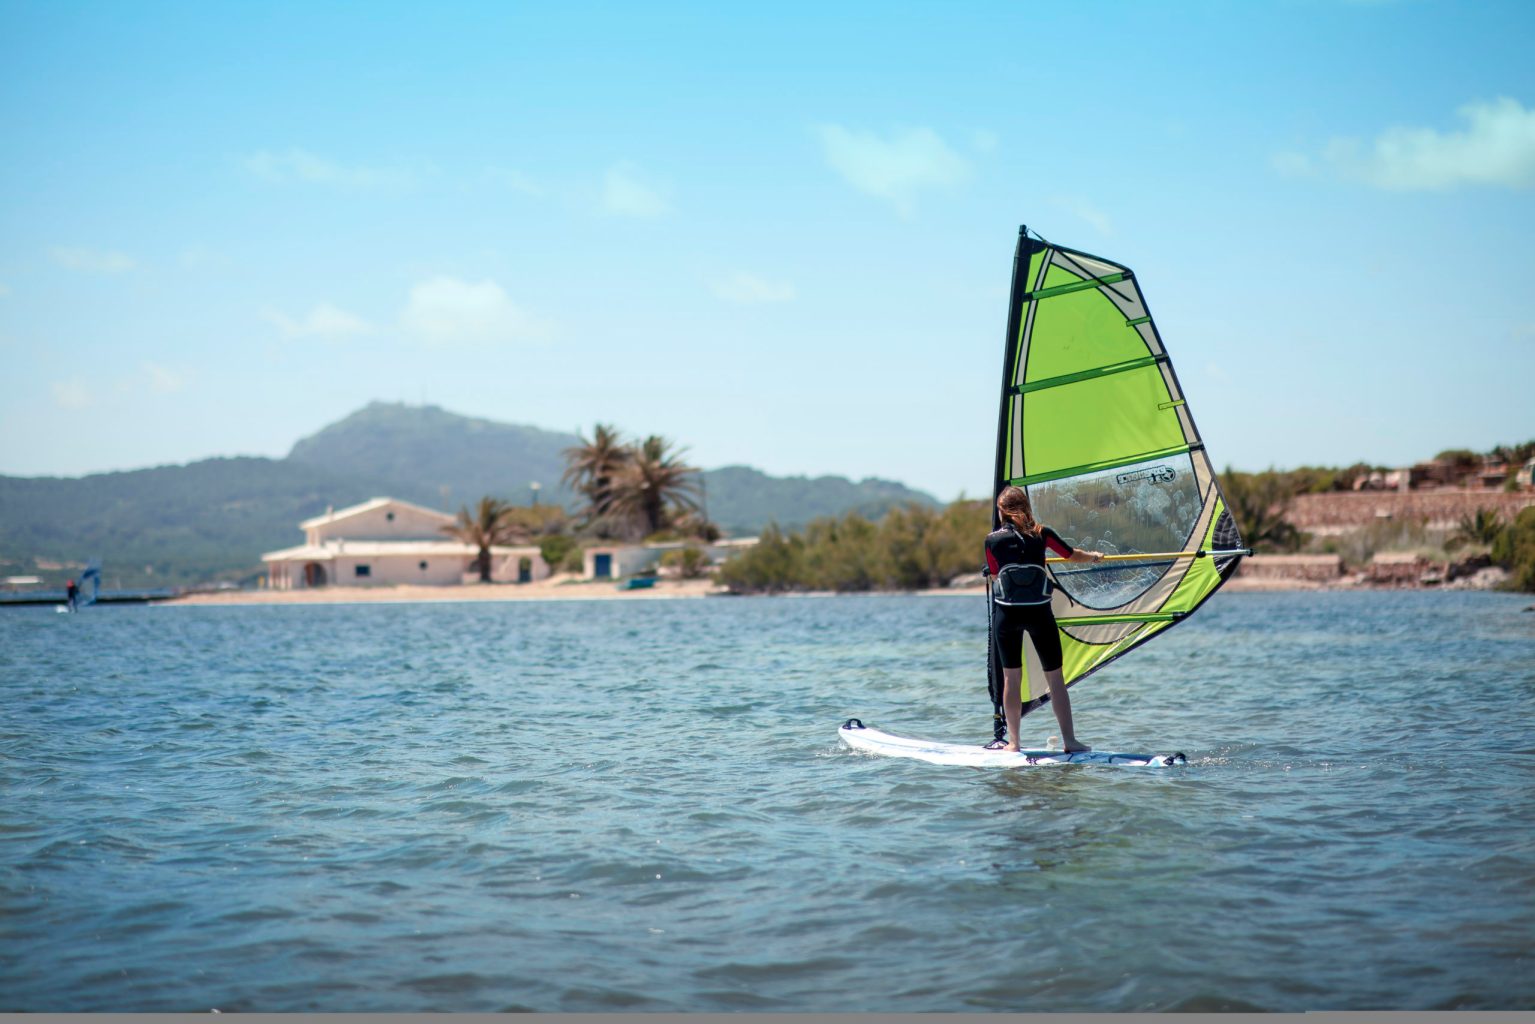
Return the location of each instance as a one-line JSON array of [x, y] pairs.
[[1011, 546]]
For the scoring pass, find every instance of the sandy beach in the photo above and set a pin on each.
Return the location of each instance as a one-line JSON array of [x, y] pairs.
[[554, 589]]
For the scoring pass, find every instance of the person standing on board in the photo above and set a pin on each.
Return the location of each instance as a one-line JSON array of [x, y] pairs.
[[71, 594], [1022, 605]]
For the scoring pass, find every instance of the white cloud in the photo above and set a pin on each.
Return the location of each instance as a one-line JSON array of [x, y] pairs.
[[749, 289], [324, 321], [71, 394], [1292, 165], [445, 310], [91, 261], [1086, 211], [1496, 147], [199, 257], [164, 381], [298, 165], [624, 194], [514, 181], [894, 168]]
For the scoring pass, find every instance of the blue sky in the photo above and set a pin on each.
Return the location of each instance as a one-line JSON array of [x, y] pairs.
[[780, 235]]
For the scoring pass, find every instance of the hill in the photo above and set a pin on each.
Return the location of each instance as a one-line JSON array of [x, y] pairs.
[[170, 525], [211, 520], [446, 460], [743, 500]]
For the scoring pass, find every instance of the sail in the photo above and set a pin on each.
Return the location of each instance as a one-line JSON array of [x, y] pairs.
[[92, 576], [1094, 427]]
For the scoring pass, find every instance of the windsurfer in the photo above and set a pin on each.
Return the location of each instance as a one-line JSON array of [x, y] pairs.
[[1023, 540]]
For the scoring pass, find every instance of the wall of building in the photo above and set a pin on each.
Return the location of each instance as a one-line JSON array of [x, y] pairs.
[[395, 570]]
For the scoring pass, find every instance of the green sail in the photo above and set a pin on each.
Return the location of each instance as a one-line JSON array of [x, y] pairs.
[[1094, 426]]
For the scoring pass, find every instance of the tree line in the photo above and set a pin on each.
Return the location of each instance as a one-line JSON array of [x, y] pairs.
[[638, 490], [911, 547]]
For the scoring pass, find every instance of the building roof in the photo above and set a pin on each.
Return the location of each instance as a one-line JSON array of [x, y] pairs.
[[335, 515]]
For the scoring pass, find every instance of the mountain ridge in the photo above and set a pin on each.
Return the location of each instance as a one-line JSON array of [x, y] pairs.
[[211, 519]]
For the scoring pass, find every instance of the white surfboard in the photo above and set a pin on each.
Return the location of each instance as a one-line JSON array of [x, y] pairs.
[[860, 737]]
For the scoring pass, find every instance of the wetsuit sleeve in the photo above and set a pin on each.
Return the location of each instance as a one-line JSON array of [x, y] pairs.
[[991, 559], [1054, 543]]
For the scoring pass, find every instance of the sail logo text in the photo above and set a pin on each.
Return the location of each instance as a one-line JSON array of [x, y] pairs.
[[1156, 475]]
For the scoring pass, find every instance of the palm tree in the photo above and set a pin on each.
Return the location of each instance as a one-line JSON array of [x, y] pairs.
[[490, 525], [592, 466], [654, 480], [1480, 527]]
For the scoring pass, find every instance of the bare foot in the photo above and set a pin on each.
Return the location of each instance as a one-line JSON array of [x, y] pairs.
[[1077, 748], [1011, 748]]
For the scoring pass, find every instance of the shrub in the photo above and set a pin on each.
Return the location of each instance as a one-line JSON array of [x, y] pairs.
[[556, 549], [912, 547], [1514, 550], [1260, 501], [690, 562]]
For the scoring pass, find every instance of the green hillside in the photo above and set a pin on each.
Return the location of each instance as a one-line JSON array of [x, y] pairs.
[[443, 458], [212, 520], [743, 500], [170, 525]]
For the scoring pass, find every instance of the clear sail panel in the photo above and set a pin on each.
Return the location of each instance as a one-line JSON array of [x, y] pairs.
[[1146, 507]]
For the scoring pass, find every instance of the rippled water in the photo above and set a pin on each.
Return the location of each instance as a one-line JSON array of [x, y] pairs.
[[589, 806]]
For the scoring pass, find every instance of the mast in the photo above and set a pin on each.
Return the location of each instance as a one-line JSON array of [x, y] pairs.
[[1009, 359], [999, 469]]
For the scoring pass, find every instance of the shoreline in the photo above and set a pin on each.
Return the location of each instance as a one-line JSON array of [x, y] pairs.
[[663, 590]]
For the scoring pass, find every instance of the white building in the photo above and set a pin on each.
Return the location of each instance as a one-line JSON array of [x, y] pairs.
[[616, 561], [386, 542]]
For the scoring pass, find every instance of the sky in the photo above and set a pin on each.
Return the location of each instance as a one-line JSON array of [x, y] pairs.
[[780, 235]]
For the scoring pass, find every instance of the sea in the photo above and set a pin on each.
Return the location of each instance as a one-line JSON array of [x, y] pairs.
[[598, 806]]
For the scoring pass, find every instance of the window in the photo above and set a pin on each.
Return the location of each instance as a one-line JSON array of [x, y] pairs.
[[422, 567], [363, 570], [389, 517]]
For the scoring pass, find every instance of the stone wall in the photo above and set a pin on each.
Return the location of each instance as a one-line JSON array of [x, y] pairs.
[[1315, 568], [1341, 511]]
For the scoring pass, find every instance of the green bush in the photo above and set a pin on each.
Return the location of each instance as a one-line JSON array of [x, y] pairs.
[[1260, 502], [690, 562], [557, 548], [772, 565], [912, 547], [1514, 550]]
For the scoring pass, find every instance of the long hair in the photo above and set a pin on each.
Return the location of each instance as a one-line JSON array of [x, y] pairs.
[[1013, 504]]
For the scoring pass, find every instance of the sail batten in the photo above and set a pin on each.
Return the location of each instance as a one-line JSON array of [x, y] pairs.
[[1091, 374], [1094, 425], [1066, 289], [1095, 467]]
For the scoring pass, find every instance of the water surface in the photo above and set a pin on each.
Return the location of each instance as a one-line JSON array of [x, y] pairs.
[[643, 806]]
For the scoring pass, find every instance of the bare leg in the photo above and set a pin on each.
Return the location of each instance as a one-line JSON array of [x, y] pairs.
[[1012, 704], [1060, 700]]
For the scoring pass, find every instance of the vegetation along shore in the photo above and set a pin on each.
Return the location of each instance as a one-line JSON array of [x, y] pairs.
[[1460, 520]]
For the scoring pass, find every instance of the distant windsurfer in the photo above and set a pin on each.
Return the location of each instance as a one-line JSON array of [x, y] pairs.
[[71, 594], [1023, 541]]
